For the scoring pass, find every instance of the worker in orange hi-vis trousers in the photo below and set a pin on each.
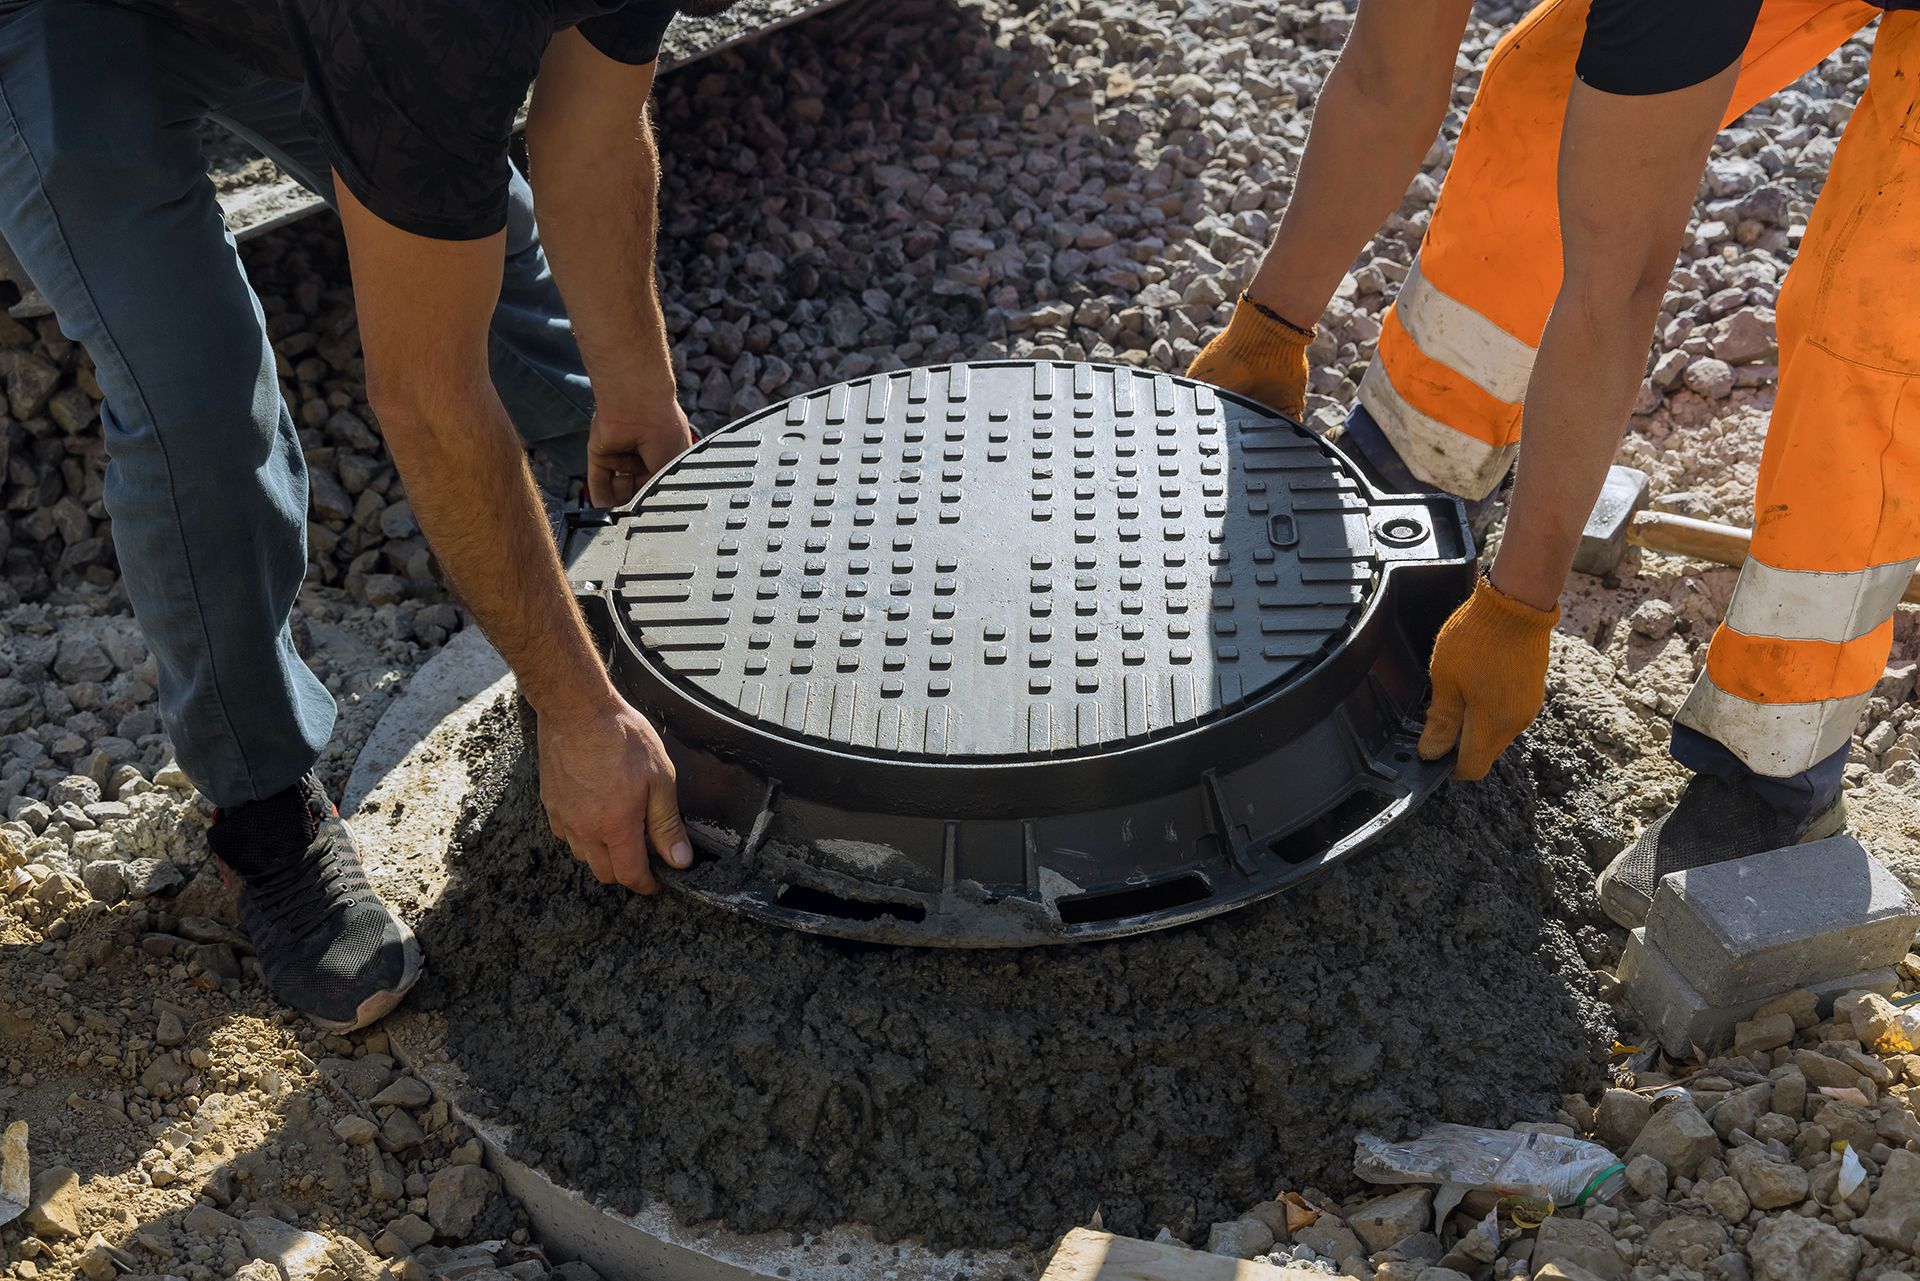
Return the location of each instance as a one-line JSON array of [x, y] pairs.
[[1532, 301]]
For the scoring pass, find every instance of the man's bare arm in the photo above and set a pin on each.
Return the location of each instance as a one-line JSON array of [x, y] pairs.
[[596, 179], [1629, 166], [1380, 110], [424, 307]]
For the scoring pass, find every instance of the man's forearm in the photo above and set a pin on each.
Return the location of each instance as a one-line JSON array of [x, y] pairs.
[[596, 175], [1375, 120], [1628, 169], [474, 497]]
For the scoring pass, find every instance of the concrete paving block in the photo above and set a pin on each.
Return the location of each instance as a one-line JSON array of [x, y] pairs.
[[1682, 1018], [1797, 917]]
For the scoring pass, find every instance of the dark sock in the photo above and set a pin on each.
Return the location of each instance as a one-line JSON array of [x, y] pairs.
[[261, 834]]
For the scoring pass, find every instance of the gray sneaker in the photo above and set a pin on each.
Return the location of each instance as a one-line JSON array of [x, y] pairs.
[[327, 945], [1715, 821]]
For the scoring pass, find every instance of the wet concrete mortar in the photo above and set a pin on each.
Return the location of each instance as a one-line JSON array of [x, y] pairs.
[[769, 1079]]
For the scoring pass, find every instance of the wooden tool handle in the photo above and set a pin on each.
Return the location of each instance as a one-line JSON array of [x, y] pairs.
[[1706, 540], [1685, 536]]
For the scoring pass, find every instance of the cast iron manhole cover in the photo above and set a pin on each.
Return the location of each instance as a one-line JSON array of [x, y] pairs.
[[1005, 653]]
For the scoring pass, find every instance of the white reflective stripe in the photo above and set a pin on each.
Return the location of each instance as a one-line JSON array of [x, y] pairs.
[[1777, 740], [1436, 453], [1797, 604], [1462, 339]]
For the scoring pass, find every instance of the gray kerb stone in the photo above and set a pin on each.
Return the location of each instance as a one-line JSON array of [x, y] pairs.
[[1682, 1018], [1753, 927]]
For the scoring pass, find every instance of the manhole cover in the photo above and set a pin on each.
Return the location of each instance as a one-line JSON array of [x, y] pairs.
[[1019, 652]]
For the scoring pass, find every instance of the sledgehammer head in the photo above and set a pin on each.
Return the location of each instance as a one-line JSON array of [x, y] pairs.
[[1604, 541]]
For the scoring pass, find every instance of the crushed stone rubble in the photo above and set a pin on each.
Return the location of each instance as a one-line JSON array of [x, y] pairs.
[[894, 183], [1793, 1157]]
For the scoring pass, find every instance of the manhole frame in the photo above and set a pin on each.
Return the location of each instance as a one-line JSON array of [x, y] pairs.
[[751, 783]]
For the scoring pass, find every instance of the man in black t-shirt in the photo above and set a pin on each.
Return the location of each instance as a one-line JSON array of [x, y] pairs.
[[414, 103], [105, 199]]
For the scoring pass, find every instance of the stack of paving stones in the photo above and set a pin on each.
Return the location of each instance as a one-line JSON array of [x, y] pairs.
[[1722, 941]]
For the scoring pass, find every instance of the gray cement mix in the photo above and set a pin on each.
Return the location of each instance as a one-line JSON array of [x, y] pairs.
[[772, 1080]]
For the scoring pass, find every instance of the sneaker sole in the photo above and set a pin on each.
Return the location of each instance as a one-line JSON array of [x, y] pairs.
[[382, 1003], [1626, 907]]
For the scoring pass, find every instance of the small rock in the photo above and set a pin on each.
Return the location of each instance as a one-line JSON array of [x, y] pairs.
[[75, 789], [1745, 336], [1768, 1183], [1873, 1017], [1647, 1177], [205, 1221], [1741, 1110], [1726, 1198], [1710, 378], [1685, 1238], [1787, 1247], [1822, 1070], [1892, 1220], [1678, 1137], [1669, 369], [298, 1254], [401, 1132], [1800, 1003], [1384, 1222], [170, 1031], [1240, 1238], [1563, 1271], [413, 1230], [384, 1183], [355, 1130], [97, 1264], [1769, 1032], [1581, 1243], [1790, 1092], [106, 880], [1619, 1118], [405, 1092], [456, 1196], [1329, 1241], [1274, 1215], [1654, 619], [54, 1212], [147, 877]]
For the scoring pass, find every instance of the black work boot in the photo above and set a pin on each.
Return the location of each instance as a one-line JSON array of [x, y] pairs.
[[1367, 447], [326, 943], [1715, 821]]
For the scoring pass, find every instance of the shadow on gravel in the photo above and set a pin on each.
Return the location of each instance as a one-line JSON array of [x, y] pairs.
[[898, 183]]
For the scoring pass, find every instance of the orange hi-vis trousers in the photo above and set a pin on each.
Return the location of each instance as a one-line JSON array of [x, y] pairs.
[[1837, 507]]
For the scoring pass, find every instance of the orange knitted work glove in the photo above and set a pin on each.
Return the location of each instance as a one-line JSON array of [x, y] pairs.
[[1260, 356], [1489, 678]]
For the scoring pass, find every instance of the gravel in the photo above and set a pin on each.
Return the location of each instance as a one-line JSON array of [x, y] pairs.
[[1734, 1172]]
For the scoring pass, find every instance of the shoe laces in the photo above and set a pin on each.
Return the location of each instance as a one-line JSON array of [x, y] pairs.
[[303, 894]]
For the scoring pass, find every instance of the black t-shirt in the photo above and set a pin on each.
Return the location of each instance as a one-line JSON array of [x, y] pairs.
[[1657, 46], [415, 99], [248, 31]]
